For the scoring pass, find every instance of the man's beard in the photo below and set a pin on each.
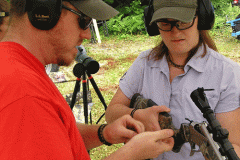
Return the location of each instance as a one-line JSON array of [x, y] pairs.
[[61, 53], [59, 48], [61, 62]]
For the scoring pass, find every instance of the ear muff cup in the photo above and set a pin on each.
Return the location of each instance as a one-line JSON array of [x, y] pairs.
[[206, 17], [44, 14], [152, 30], [205, 13]]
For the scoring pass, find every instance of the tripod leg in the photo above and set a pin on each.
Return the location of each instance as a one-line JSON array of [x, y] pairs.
[[98, 93], [97, 90], [85, 100], [76, 90], [90, 117], [100, 118]]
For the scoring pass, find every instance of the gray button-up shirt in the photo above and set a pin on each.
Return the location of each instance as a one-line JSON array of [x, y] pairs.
[[213, 71]]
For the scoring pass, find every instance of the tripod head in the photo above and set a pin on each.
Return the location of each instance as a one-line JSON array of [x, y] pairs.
[[90, 65]]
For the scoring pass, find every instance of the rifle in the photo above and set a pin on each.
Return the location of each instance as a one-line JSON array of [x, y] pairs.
[[211, 138]]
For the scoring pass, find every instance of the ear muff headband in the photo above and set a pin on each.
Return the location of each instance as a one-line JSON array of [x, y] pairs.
[[148, 13], [44, 14], [206, 17]]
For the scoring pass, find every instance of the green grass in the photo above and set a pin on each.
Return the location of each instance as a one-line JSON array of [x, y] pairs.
[[115, 55]]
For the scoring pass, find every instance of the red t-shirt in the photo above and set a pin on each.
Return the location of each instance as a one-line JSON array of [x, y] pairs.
[[35, 120]]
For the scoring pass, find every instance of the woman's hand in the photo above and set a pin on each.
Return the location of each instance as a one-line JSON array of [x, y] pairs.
[[149, 117]]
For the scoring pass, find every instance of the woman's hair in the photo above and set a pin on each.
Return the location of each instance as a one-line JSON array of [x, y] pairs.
[[204, 38], [4, 7]]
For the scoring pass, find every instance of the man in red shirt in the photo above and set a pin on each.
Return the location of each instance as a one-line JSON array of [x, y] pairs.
[[35, 120]]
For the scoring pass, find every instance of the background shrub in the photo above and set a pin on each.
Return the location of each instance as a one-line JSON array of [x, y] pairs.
[[129, 20]]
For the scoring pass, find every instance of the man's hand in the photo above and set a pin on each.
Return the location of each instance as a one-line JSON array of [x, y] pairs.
[[152, 144], [122, 130], [145, 145], [149, 117]]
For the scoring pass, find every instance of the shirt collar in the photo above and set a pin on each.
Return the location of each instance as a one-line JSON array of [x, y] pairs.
[[162, 64], [197, 62]]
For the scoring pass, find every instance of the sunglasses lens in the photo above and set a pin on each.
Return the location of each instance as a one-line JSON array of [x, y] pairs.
[[85, 22], [168, 25], [88, 22], [165, 26], [183, 26]]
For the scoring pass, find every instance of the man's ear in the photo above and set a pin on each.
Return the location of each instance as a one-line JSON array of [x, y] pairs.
[[44, 15]]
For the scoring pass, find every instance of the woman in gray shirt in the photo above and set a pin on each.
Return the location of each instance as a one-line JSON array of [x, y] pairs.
[[186, 59]]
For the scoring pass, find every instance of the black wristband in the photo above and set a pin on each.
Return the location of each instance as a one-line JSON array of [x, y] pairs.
[[100, 135], [133, 111]]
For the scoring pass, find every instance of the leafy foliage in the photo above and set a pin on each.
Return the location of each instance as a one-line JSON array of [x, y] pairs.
[[224, 12], [109, 1], [129, 20]]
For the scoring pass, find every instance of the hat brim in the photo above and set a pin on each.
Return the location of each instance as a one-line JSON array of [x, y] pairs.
[[177, 13], [96, 9]]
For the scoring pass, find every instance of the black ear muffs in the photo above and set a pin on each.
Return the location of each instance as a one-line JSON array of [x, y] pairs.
[[205, 14], [152, 30], [44, 14]]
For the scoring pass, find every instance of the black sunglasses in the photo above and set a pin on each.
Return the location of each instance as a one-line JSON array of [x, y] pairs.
[[166, 25], [84, 21]]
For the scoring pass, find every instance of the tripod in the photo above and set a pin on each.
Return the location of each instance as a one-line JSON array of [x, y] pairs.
[[80, 72]]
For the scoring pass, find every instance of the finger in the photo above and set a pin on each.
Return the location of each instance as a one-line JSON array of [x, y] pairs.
[[135, 125], [167, 144], [127, 133], [163, 134], [168, 140], [126, 140], [130, 127], [161, 109]]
